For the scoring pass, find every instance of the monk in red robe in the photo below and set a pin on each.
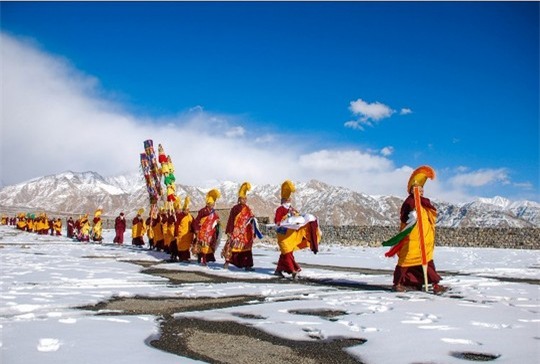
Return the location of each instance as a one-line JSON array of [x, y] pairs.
[[119, 228], [206, 227], [240, 233], [70, 227]]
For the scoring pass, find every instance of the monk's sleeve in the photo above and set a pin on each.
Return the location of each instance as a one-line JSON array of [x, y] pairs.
[[406, 208]]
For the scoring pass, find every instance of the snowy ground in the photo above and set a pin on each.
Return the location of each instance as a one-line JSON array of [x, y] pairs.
[[492, 308]]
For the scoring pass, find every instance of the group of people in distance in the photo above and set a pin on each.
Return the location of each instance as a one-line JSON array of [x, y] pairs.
[[39, 224], [80, 229], [177, 232]]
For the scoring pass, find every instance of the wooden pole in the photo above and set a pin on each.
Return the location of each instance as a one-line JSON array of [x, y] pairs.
[[418, 207]]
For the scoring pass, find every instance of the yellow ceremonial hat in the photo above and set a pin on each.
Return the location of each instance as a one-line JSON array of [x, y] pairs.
[[212, 196], [186, 203], [97, 213], [140, 211], [176, 204], [246, 186], [419, 177], [287, 188]]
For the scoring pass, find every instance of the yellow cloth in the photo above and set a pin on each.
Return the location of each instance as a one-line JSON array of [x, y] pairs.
[[98, 229], [185, 235], [410, 254], [58, 226], [158, 232], [85, 228], [165, 170], [21, 224], [168, 234], [137, 230], [295, 239], [149, 231]]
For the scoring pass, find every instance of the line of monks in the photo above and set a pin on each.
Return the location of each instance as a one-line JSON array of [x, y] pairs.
[[79, 229], [40, 224], [178, 233], [175, 231]]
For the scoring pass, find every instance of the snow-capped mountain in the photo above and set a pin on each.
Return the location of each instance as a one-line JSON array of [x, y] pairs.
[[489, 212], [76, 193]]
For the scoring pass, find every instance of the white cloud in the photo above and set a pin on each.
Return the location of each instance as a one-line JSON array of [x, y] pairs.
[[354, 125], [55, 118], [480, 178], [236, 131], [387, 151], [524, 185], [357, 170], [344, 161], [374, 111], [367, 113]]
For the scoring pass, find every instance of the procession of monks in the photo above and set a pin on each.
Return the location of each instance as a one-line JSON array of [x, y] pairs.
[[39, 224], [79, 229], [181, 235], [177, 232]]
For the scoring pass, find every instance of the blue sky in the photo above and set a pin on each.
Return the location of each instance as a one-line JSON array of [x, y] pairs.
[[351, 93]]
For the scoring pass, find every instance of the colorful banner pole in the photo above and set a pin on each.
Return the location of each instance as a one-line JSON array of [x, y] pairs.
[[418, 207]]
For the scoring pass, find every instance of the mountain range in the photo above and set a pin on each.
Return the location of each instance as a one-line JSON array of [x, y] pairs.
[[73, 193]]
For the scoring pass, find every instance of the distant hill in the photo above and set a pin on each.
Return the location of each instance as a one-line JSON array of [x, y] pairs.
[[76, 193]]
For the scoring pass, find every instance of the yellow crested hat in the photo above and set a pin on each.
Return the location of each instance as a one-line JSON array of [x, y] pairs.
[[140, 211], [287, 188], [98, 213], [186, 203], [419, 177], [212, 196], [176, 204], [246, 186]]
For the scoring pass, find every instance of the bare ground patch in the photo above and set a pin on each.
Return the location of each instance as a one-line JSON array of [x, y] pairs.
[[225, 342], [231, 342], [163, 306]]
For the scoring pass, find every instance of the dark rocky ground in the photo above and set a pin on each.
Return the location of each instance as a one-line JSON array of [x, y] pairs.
[[232, 342], [223, 342]]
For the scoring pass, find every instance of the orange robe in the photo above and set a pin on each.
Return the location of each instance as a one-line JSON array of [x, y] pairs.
[[157, 229], [408, 271], [137, 231], [184, 235], [58, 227], [290, 240]]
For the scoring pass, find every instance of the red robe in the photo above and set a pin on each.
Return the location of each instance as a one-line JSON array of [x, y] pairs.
[[206, 234], [237, 250], [120, 228]]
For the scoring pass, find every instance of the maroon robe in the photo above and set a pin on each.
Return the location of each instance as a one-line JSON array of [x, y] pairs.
[[120, 228]]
